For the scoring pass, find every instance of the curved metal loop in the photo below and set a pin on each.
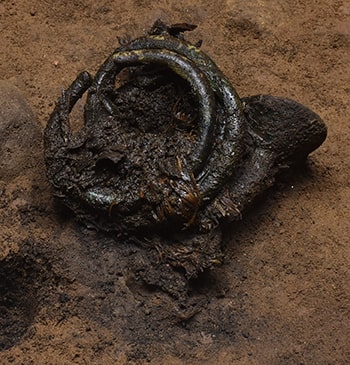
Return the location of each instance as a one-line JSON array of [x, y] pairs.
[[221, 125], [184, 68]]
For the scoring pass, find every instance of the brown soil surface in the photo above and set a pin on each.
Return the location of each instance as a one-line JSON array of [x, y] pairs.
[[282, 295]]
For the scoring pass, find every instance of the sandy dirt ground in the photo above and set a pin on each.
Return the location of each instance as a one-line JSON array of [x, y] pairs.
[[282, 295]]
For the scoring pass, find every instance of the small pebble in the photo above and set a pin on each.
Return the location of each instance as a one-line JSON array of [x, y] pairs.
[[20, 134]]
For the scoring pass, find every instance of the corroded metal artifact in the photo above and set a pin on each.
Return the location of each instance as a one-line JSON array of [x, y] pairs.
[[167, 145]]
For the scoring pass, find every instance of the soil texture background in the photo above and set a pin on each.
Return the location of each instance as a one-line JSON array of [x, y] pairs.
[[282, 295]]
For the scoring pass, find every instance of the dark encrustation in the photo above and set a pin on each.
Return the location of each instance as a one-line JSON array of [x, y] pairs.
[[168, 150]]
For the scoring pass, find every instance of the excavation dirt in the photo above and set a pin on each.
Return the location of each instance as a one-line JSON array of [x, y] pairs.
[[70, 294]]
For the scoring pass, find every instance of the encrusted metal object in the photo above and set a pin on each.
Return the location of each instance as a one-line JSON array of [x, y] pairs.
[[168, 146]]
